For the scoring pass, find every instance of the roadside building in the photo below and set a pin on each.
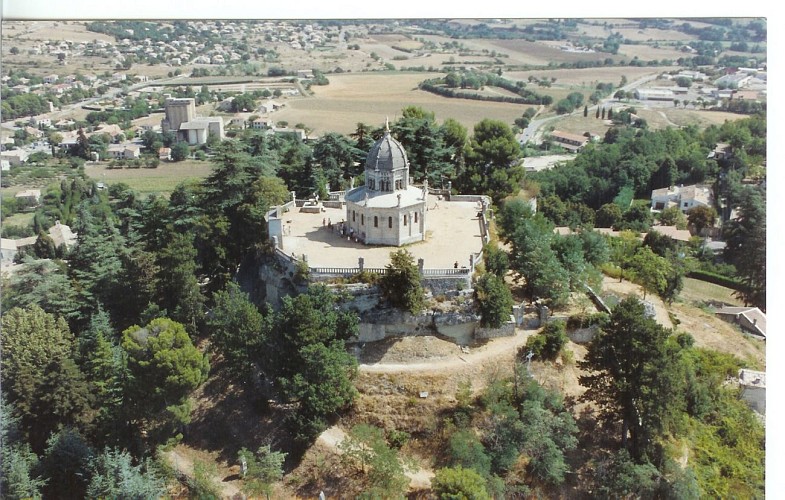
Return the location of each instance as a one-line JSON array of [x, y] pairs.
[[570, 142], [654, 94]]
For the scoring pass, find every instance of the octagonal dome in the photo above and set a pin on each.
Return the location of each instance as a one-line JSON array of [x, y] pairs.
[[387, 154]]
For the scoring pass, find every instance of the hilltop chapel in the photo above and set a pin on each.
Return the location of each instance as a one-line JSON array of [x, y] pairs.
[[387, 210]]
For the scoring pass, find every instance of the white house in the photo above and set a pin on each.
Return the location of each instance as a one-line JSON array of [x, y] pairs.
[[684, 197], [654, 94], [124, 151]]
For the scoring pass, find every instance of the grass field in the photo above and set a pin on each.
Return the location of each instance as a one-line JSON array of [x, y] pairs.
[[701, 291], [161, 180], [22, 219]]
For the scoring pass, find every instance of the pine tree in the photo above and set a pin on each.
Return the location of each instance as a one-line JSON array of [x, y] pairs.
[[401, 285], [632, 378]]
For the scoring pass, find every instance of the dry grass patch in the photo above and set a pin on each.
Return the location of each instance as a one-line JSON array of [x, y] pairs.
[[370, 97], [648, 52], [578, 124], [587, 76], [151, 180], [697, 291], [713, 333]]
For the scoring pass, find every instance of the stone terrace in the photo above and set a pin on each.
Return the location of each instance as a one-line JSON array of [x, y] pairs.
[[452, 234]]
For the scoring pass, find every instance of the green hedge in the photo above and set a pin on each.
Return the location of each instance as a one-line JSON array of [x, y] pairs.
[[717, 279]]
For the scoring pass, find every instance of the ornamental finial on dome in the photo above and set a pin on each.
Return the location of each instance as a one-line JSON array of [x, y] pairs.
[[387, 124]]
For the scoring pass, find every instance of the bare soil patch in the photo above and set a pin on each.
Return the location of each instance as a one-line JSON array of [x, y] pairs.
[[625, 288], [713, 333]]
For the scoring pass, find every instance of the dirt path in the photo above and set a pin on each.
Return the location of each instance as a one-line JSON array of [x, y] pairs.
[[184, 465], [332, 437], [475, 357]]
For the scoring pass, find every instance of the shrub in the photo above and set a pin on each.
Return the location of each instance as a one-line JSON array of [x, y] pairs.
[[549, 342]]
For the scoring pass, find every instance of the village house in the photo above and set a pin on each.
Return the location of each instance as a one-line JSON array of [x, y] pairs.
[[570, 142], [269, 107], [165, 154], [8, 251], [41, 121], [15, 157], [750, 319], [62, 236], [124, 151], [50, 79], [684, 197], [30, 197], [289, 132], [746, 95], [722, 151], [262, 123]]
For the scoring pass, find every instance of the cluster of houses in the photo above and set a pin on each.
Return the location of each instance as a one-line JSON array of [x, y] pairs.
[[737, 83], [192, 48], [58, 85]]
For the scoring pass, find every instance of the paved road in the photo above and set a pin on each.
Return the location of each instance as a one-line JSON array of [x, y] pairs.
[[532, 133]]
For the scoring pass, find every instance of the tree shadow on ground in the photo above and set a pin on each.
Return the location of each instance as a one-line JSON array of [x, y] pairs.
[[230, 415]]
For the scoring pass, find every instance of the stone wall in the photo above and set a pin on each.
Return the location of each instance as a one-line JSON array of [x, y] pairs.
[[447, 285], [583, 335], [506, 330]]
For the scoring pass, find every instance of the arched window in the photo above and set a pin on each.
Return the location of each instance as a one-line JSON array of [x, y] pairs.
[[375, 221], [389, 222], [362, 219], [353, 216], [404, 220], [415, 217]]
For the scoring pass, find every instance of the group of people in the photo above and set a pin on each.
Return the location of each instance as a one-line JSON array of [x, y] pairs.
[[341, 228]]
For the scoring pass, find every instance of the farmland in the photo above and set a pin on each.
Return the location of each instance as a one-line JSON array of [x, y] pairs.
[[370, 97]]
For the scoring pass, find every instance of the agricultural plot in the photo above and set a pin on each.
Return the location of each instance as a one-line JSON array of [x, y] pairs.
[[588, 76], [649, 53], [370, 97]]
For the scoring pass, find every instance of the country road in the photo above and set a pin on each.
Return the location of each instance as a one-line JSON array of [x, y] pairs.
[[532, 133]]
